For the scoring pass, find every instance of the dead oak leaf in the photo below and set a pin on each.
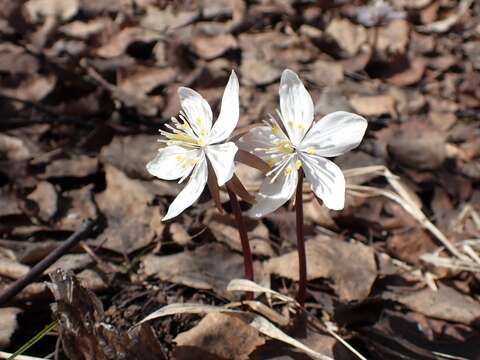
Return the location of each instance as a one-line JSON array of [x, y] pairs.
[[60, 9], [77, 167], [8, 319], [225, 336], [33, 88], [350, 265], [46, 198], [132, 222], [12, 148]]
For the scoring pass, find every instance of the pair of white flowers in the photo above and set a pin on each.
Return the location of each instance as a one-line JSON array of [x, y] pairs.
[[194, 145]]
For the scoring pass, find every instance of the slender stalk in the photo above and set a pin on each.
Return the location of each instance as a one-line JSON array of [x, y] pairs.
[[302, 259], [242, 230]]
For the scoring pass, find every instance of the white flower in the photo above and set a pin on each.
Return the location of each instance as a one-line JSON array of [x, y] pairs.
[[193, 144], [299, 144]]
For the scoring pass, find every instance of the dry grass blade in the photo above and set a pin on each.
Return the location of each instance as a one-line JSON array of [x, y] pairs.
[[267, 328], [346, 344], [264, 310], [187, 308], [247, 285], [403, 198]]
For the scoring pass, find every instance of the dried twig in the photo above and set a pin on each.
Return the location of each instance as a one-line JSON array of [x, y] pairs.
[[40, 267]]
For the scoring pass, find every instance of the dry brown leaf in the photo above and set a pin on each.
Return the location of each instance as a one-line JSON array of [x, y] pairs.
[[259, 72], [373, 105], [77, 167], [225, 230], [70, 262], [211, 47], [411, 75], [14, 59], [35, 10], [132, 222], [12, 269], [326, 73], [411, 148], [83, 30], [349, 37], [223, 335], [8, 319], [143, 79], [34, 88], [179, 235], [167, 19], [445, 303], [209, 266], [131, 154], [350, 265], [46, 199], [12, 148], [79, 206], [118, 44], [393, 38]]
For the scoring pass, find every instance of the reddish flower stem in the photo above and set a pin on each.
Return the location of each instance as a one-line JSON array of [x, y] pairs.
[[302, 259], [242, 230]]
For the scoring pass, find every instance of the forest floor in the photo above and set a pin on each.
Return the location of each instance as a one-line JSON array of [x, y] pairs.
[[84, 88]]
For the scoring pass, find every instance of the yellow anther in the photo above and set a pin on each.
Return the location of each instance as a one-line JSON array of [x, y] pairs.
[[284, 146], [179, 157], [301, 126], [270, 162], [298, 164], [275, 130], [198, 120], [200, 142], [288, 170], [203, 132], [290, 123], [311, 150], [185, 125]]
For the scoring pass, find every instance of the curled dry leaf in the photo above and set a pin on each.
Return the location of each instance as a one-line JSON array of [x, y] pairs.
[[411, 75], [350, 265], [142, 79], [223, 335], [85, 333], [393, 38]]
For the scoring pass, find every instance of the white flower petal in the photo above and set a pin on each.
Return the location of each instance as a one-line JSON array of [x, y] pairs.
[[172, 162], [326, 180], [273, 195], [191, 192], [296, 106], [221, 157], [197, 110], [229, 111], [335, 134], [256, 139]]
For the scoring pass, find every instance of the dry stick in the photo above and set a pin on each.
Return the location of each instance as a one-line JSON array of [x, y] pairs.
[[242, 230], [302, 260], [40, 267]]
